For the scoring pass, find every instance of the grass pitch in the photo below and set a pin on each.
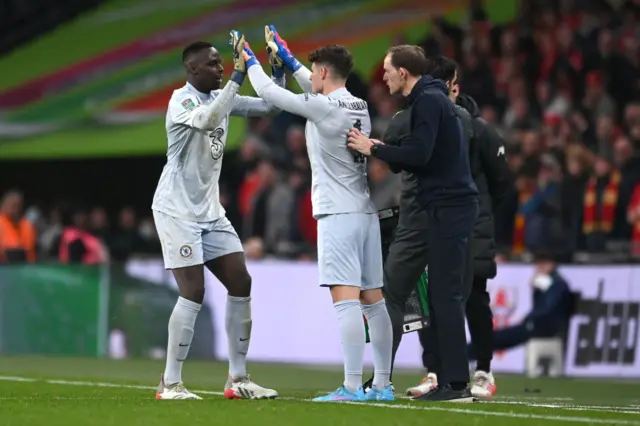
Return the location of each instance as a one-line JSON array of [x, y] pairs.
[[65, 391]]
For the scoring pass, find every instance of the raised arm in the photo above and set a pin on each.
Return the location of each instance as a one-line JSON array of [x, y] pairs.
[[280, 56], [186, 109], [312, 107], [251, 106], [302, 76]]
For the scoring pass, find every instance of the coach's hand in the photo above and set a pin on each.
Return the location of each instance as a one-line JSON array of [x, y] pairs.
[[359, 142], [282, 54]]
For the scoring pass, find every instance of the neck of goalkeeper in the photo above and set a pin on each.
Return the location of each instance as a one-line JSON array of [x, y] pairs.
[[333, 84]]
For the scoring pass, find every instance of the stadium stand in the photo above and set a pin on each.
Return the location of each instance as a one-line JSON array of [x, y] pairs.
[[561, 83]]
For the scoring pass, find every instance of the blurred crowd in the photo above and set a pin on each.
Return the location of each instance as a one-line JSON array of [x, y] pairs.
[[72, 232], [562, 85]]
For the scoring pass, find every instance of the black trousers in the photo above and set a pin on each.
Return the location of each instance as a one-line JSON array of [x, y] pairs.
[[480, 322], [449, 282], [450, 228], [408, 256]]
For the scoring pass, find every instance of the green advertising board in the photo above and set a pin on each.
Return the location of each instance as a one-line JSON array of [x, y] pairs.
[[76, 310], [53, 310]]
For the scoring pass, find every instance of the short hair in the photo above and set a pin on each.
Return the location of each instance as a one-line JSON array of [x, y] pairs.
[[441, 68], [337, 57], [410, 57], [194, 48]]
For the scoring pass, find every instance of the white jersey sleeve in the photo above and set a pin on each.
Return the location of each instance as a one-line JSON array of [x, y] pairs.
[[312, 107], [250, 106], [186, 109], [303, 78]]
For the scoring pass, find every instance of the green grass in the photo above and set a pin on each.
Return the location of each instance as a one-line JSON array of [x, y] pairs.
[[103, 392]]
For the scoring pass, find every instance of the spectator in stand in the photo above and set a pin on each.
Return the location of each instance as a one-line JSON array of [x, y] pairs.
[[601, 206], [99, 225], [268, 217], [50, 235], [126, 237], [542, 210], [17, 234], [77, 244], [578, 166]]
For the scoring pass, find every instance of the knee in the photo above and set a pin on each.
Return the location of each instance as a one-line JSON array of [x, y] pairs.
[[242, 286], [371, 297], [194, 294]]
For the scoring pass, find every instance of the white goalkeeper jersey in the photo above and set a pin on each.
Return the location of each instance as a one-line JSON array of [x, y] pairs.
[[338, 175], [197, 126]]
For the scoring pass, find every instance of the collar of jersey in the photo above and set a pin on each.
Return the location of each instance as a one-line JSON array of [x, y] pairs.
[[199, 94], [339, 91]]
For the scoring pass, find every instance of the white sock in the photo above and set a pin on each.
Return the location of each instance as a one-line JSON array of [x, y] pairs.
[[381, 335], [181, 324], [353, 341], [238, 326]]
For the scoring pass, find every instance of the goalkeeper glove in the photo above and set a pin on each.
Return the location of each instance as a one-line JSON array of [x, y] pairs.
[[252, 56], [277, 67], [282, 53], [237, 43]]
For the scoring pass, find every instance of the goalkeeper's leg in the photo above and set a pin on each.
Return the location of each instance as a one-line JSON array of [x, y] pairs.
[[374, 309]]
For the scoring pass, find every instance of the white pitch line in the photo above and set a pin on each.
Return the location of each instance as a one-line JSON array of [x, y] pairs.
[[533, 398], [388, 406], [574, 407]]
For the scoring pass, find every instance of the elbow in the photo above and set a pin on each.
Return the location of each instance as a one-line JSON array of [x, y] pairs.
[[266, 93], [419, 158]]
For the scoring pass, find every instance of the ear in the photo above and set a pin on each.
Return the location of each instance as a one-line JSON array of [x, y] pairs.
[[190, 67]]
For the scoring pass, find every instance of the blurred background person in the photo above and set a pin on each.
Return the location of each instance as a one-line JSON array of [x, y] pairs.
[[18, 237]]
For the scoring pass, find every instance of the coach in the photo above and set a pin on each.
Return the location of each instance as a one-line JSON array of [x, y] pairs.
[[437, 153], [493, 179]]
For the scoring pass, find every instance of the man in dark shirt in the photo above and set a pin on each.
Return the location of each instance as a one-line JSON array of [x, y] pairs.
[[436, 153], [491, 174]]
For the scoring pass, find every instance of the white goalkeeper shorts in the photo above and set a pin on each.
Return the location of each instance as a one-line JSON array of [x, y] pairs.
[[350, 250], [188, 243]]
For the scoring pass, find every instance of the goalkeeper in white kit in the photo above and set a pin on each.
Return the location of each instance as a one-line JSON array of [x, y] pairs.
[[190, 220], [349, 249]]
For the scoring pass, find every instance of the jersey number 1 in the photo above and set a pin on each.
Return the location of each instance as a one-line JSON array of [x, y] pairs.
[[357, 157]]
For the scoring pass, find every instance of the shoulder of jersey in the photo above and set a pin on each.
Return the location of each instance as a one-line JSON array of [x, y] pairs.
[[180, 94], [183, 99]]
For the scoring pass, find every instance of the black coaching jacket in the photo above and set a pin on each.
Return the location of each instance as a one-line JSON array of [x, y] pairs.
[[493, 179], [489, 170]]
